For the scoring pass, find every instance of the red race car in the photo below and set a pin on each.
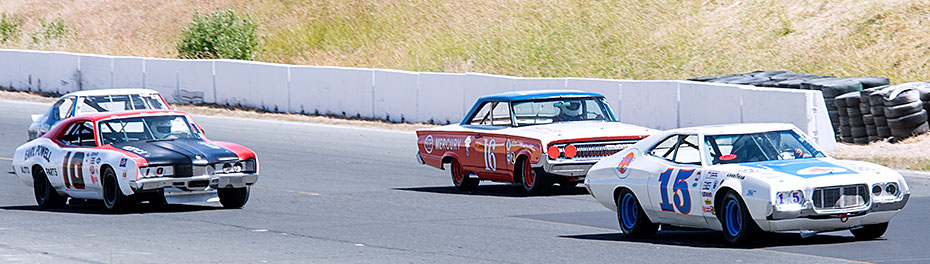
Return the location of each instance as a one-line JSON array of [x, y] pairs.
[[534, 138]]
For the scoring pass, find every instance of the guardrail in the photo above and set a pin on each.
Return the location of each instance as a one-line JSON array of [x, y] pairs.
[[403, 96]]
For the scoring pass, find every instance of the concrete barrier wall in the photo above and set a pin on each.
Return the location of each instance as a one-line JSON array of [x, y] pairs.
[[402, 95]]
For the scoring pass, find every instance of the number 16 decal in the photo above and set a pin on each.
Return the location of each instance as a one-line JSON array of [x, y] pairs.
[[680, 185]]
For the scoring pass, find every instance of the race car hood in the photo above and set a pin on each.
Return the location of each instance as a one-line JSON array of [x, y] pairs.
[[813, 171], [582, 130], [177, 152]]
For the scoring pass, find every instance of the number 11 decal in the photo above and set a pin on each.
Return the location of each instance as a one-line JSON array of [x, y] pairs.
[[680, 185]]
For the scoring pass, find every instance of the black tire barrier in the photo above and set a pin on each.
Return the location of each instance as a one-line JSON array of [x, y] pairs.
[[834, 115], [858, 132], [908, 121], [727, 78], [712, 77], [831, 105], [838, 87], [877, 110], [808, 84], [867, 120], [869, 82], [861, 140], [880, 121], [853, 112], [851, 98], [902, 96], [844, 121], [748, 81], [883, 131], [908, 132], [766, 74], [856, 121], [839, 102], [874, 138], [903, 109]]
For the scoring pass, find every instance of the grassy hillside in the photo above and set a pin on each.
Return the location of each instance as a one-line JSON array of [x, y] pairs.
[[661, 39]]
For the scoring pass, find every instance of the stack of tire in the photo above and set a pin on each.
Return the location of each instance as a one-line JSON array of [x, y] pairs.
[[830, 87], [875, 97], [905, 111], [857, 132]]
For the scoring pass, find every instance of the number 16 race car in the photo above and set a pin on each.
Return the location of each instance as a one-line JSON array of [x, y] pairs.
[[743, 179], [534, 138], [121, 158]]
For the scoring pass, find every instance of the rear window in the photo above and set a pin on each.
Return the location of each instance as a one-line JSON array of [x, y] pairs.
[[117, 103]]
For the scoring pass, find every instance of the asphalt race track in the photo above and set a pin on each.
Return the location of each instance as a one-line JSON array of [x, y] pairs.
[[332, 194]]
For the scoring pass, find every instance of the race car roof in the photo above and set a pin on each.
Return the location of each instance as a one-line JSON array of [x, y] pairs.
[[111, 92], [729, 129], [106, 115], [537, 94]]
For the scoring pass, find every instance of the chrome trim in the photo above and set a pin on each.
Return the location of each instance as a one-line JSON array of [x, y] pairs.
[[215, 181]]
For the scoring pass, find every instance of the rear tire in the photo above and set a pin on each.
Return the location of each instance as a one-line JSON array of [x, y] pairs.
[[633, 221], [113, 197], [533, 183], [869, 232], [461, 181], [233, 198], [738, 227], [46, 196]]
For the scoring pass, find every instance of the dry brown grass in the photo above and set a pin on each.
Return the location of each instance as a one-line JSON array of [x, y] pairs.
[[243, 113], [663, 39], [912, 153]]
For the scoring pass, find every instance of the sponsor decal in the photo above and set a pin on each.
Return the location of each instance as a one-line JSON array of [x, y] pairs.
[[750, 192], [820, 170], [24, 170], [124, 174], [715, 185], [736, 176], [137, 151], [447, 143], [122, 163], [708, 209], [93, 169], [467, 145], [99, 160], [40, 151], [93, 179], [707, 202], [712, 175], [509, 144], [624, 164], [707, 194], [51, 172]]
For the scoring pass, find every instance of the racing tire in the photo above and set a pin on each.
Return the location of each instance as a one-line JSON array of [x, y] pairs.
[[533, 183], [880, 121], [233, 198], [908, 121], [461, 181], [883, 131], [46, 196], [877, 111], [738, 227], [633, 221], [869, 232], [113, 197], [902, 96], [859, 132], [903, 110], [861, 140]]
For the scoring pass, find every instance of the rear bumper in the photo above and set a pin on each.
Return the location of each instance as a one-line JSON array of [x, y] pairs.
[[197, 183]]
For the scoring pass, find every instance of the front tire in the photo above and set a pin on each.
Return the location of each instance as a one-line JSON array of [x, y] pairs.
[[46, 196], [633, 221], [738, 227], [113, 197], [461, 181], [533, 183], [233, 198], [869, 232]]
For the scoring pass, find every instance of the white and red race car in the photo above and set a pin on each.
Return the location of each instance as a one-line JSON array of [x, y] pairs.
[[534, 138], [122, 158]]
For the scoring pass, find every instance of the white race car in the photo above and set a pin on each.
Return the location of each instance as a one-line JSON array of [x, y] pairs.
[[743, 179], [121, 158], [95, 101]]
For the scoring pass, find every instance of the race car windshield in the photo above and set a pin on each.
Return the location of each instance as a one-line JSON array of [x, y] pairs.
[[549, 111], [117, 103], [147, 128], [775, 145]]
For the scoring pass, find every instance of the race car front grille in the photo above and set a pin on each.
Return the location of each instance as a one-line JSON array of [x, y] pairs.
[[598, 149], [840, 197]]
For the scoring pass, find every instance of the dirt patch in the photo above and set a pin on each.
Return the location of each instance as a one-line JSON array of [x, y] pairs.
[[245, 113]]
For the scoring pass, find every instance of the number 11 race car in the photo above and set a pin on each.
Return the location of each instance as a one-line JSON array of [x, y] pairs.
[[743, 179], [534, 138], [121, 158]]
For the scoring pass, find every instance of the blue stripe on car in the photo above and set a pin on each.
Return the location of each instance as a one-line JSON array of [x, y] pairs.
[[796, 167]]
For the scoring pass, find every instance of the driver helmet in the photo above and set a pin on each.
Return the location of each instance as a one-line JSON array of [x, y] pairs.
[[161, 128], [570, 108]]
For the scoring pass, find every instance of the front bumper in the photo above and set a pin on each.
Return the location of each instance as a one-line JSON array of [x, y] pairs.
[[197, 183], [809, 219]]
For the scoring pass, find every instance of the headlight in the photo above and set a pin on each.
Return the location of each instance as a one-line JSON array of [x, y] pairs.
[[156, 171], [892, 189], [876, 189], [245, 166], [789, 199]]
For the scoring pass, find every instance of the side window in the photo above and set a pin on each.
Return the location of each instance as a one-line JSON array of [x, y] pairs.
[[688, 151], [482, 116], [666, 148], [80, 134], [501, 114], [64, 108]]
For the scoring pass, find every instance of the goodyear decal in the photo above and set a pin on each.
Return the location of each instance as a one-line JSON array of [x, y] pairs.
[[804, 168]]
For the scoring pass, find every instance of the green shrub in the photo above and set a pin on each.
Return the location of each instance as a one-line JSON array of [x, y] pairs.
[[9, 27], [219, 35], [50, 31]]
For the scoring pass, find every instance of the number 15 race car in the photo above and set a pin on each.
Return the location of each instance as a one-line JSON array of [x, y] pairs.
[[534, 138], [120, 158], [744, 179]]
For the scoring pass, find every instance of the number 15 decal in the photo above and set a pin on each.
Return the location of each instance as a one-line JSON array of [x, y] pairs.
[[680, 191]]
